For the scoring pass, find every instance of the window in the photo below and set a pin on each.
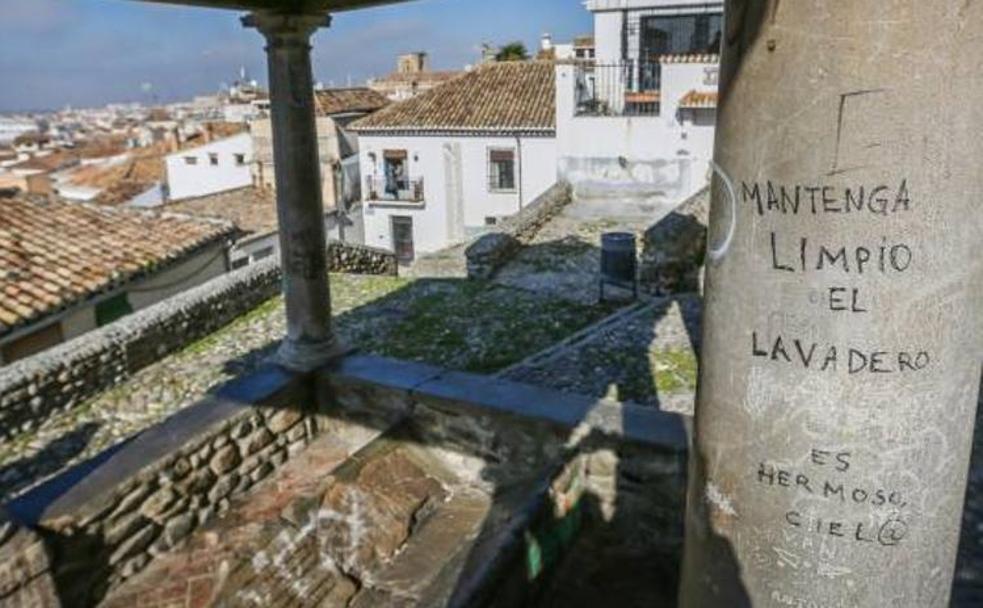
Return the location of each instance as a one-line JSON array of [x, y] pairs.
[[680, 34], [212, 159], [240, 159], [191, 160], [239, 263], [491, 221], [501, 170], [113, 308], [394, 168]]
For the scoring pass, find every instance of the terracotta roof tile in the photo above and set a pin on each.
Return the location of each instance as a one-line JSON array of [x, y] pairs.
[[341, 101], [690, 58], [54, 253], [695, 100], [251, 209], [504, 96]]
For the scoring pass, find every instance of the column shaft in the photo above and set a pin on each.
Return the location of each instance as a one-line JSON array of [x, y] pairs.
[[842, 332], [300, 210]]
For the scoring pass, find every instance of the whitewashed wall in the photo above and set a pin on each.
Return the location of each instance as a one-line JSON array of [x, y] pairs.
[[456, 195], [185, 181], [665, 153]]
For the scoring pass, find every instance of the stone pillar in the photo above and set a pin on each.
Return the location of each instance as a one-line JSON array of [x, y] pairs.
[[309, 342], [842, 332]]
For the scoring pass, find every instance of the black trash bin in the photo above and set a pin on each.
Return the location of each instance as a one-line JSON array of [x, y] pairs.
[[618, 262]]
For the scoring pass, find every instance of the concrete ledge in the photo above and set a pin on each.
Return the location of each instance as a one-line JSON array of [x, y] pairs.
[[485, 395]]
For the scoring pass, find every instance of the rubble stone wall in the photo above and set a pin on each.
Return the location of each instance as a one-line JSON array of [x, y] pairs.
[[491, 251], [65, 376], [673, 248], [25, 568], [152, 493]]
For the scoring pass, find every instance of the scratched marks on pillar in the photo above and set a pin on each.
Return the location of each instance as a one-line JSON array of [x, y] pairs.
[[871, 513], [843, 263], [306, 256]]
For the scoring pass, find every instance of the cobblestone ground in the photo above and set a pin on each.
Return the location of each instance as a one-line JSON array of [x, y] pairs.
[[464, 325], [646, 356], [446, 263]]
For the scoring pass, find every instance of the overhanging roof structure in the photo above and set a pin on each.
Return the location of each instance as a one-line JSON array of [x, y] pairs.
[[281, 6]]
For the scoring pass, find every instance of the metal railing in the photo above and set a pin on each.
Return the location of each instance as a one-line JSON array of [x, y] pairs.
[[629, 88], [394, 189]]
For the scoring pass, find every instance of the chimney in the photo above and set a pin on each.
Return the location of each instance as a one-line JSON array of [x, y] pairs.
[[546, 42]]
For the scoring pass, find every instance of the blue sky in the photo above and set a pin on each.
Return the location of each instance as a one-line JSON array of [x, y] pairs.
[[83, 53]]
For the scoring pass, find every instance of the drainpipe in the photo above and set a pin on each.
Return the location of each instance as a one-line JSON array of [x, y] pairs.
[[309, 342], [842, 333]]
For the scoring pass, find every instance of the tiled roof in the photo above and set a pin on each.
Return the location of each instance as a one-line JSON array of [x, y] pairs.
[[698, 100], [580, 42], [502, 96], [251, 209], [48, 162], [411, 77], [54, 254], [643, 96], [341, 101], [690, 58]]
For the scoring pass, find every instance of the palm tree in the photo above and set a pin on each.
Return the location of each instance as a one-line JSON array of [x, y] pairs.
[[513, 51]]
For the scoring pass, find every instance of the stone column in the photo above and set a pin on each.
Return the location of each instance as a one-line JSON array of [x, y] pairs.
[[842, 332], [309, 342]]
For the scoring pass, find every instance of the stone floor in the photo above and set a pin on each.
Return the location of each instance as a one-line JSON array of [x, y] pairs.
[[454, 323]]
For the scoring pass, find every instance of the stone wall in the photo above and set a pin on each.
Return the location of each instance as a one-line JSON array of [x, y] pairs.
[[548, 461], [360, 259], [491, 251], [673, 248], [65, 376], [25, 568], [140, 500]]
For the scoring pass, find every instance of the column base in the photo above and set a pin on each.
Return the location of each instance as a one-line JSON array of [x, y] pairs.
[[308, 356]]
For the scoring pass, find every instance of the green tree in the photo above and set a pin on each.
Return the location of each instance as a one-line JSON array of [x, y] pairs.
[[513, 51]]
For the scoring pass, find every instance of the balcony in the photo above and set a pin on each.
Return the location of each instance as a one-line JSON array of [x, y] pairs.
[[403, 190], [629, 88]]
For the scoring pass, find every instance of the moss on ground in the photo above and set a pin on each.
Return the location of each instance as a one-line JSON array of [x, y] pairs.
[[469, 325]]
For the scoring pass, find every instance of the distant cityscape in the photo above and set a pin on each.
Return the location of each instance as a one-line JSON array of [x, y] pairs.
[[411, 162]]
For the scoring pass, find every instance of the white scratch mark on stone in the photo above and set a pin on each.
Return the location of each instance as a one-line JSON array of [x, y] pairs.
[[717, 253], [719, 500]]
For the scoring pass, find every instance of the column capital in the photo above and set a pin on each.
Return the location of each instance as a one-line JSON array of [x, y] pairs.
[[285, 28]]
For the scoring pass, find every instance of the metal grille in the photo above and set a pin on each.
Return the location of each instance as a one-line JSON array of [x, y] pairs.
[[629, 88]]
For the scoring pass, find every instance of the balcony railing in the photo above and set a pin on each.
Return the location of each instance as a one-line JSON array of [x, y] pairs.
[[390, 189], [630, 88]]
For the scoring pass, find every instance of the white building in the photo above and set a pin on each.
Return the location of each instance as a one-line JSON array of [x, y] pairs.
[[638, 121], [12, 127], [451, 161], [221, 165]]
